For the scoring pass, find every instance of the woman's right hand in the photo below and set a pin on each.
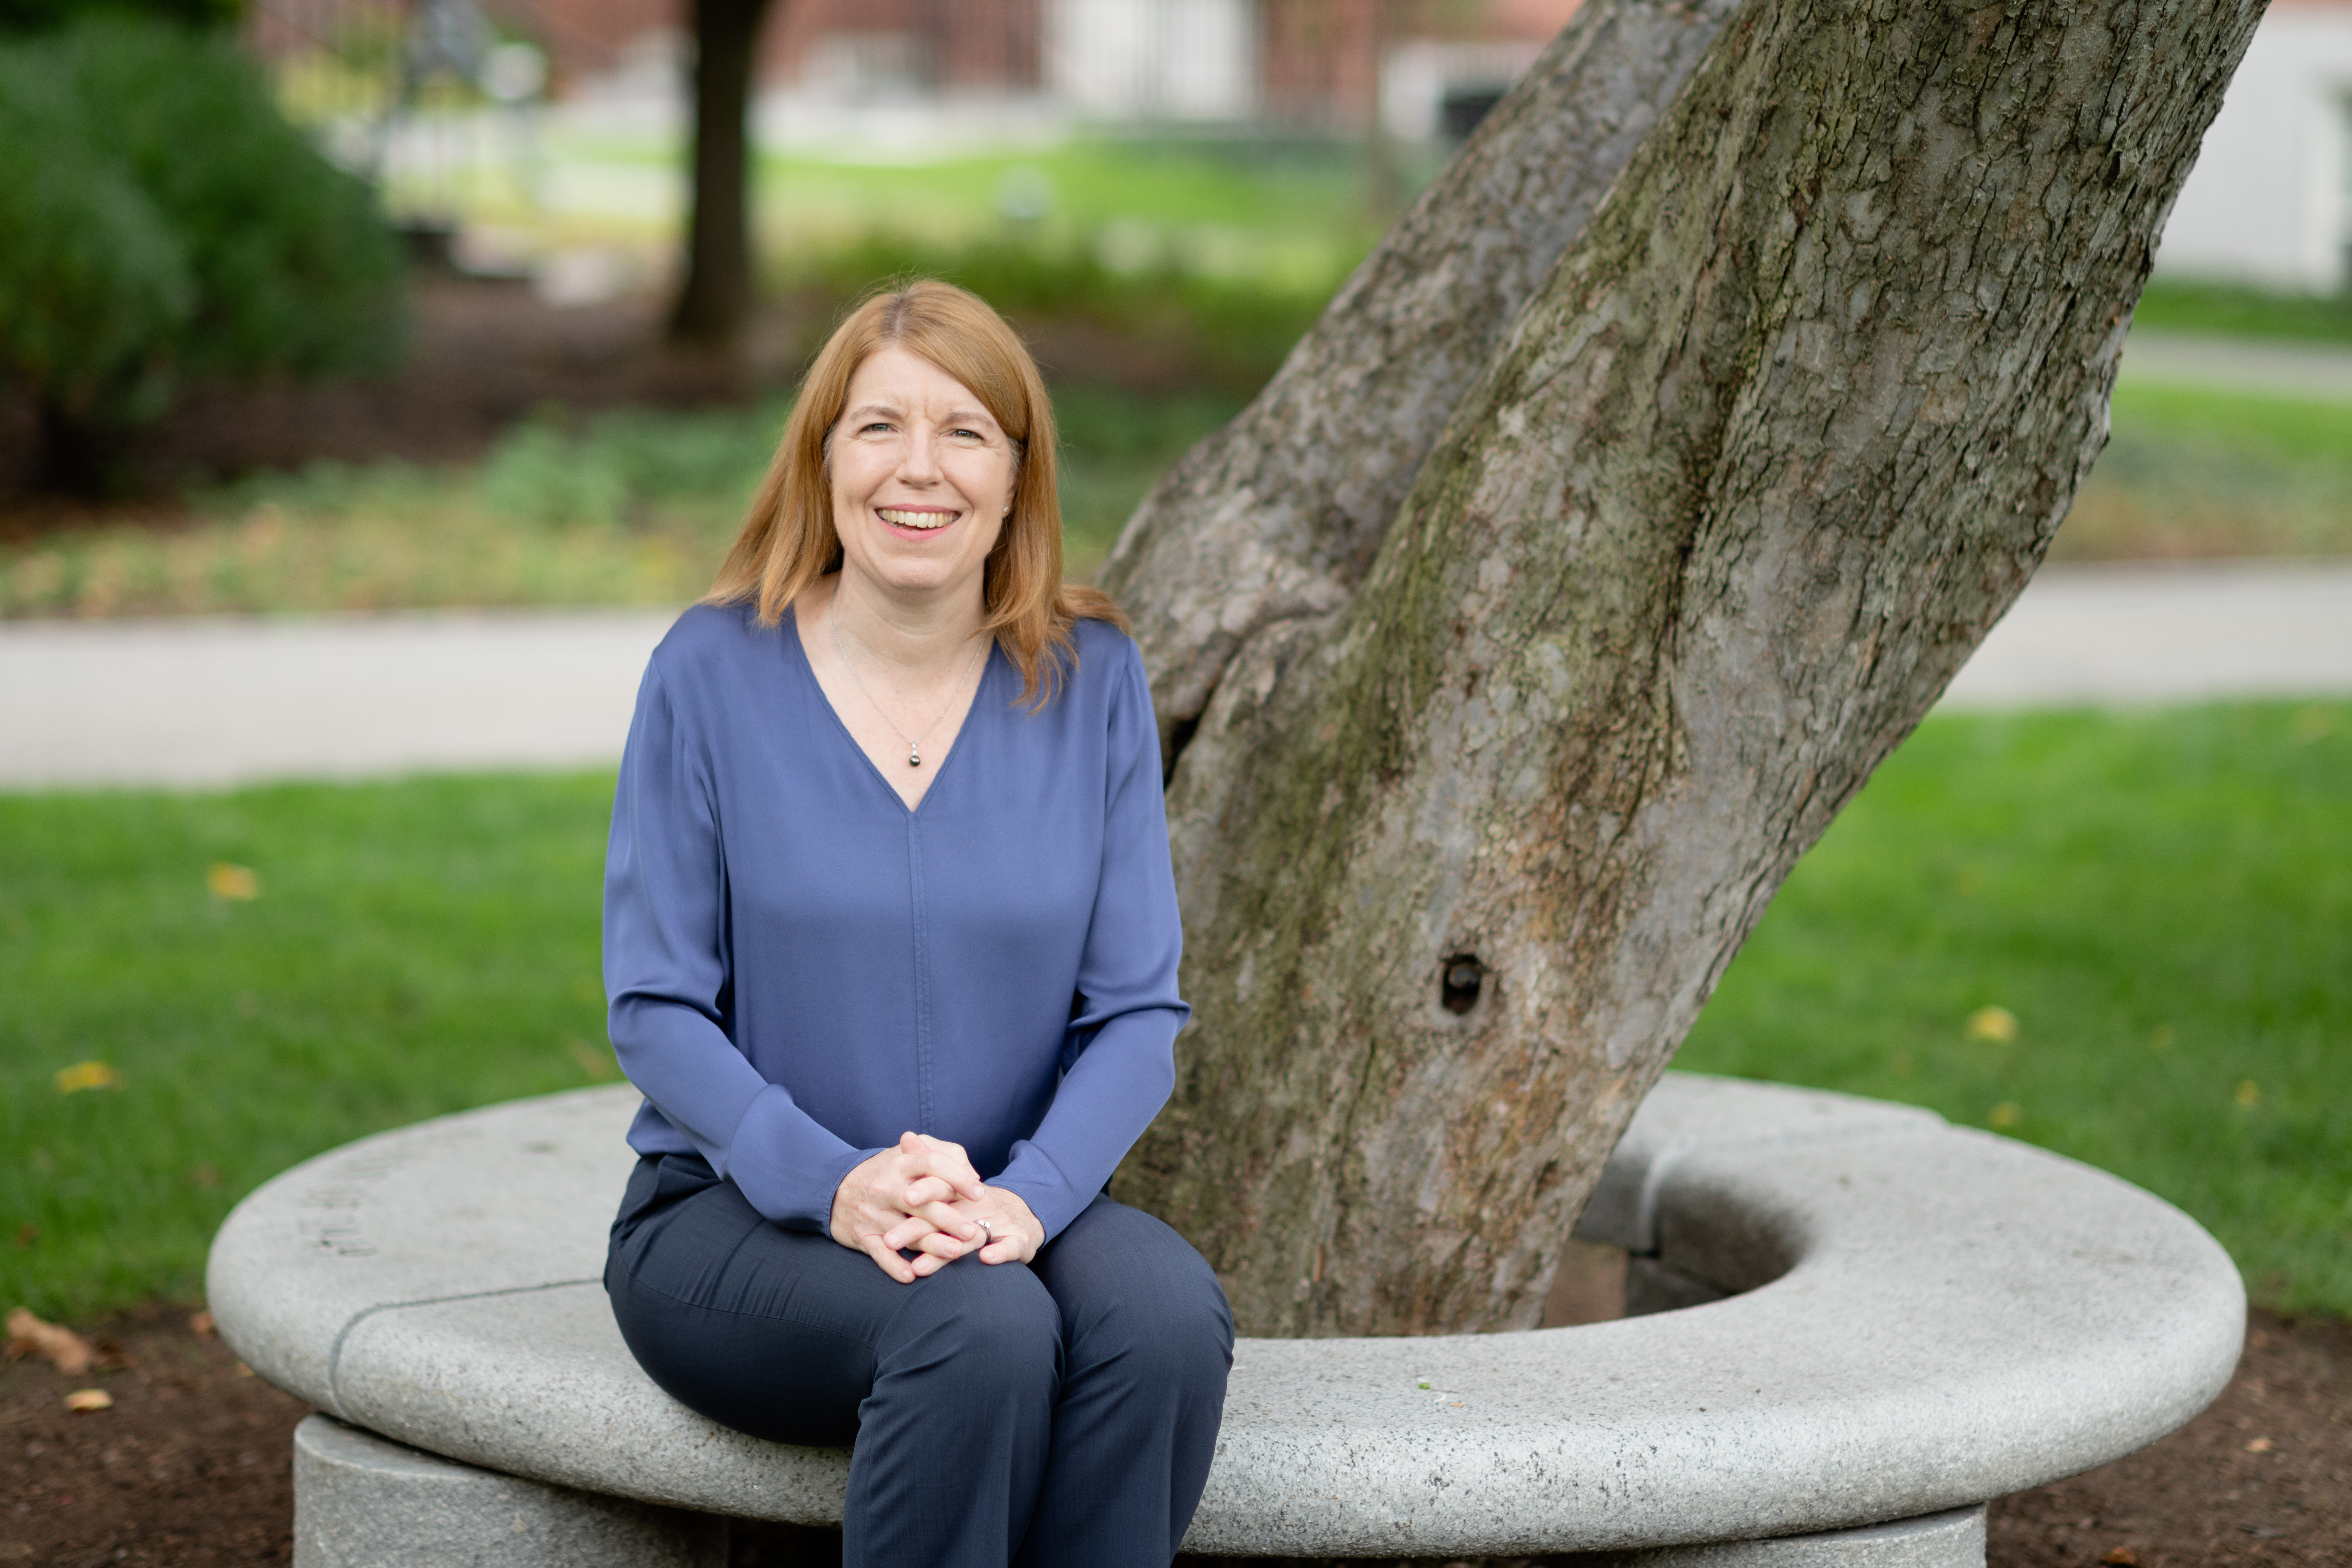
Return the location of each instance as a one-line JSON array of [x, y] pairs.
[[899, 1200]]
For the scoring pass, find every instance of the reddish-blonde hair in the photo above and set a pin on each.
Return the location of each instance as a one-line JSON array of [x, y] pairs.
[[788, 539]]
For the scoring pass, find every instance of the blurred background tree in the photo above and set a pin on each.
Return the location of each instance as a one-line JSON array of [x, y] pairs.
[[715, 303], [162, 223]]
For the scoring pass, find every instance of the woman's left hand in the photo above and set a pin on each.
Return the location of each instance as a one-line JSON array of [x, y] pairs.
[[1014, 1233]]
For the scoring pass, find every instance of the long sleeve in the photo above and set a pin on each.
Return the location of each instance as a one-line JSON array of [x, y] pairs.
[[667, 972], [1129, 1012]]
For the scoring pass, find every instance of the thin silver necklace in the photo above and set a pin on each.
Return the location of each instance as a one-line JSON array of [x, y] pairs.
[[914, 743]]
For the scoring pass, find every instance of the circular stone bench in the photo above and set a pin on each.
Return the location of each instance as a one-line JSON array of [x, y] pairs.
[[1901, 1320]]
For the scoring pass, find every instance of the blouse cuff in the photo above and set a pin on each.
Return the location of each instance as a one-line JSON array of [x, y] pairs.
[[1050, 1195], [786, 1166]]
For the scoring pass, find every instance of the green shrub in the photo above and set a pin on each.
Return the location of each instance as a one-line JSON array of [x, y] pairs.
[[1225, 333], [160, 223]]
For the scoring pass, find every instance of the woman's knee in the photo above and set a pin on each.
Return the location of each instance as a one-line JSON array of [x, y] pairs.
[[981, 1324], [1132, 1289]]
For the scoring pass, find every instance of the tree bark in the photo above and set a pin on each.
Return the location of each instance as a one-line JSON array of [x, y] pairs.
[[1278, 514], [715, 302], [1482, 800]]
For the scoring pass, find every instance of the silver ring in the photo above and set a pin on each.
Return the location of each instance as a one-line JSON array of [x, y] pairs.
[[987, 1230]]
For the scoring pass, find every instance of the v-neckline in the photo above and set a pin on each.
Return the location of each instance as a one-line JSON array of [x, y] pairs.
[[841, 726]]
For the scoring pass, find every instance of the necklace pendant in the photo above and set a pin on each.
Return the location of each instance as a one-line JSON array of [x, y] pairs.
[[914, 758]]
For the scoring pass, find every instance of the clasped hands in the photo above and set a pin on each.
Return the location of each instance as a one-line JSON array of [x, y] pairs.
[[924, 1197]]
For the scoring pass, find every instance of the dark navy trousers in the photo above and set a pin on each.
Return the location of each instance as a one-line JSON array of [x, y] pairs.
[[1062, 1411]]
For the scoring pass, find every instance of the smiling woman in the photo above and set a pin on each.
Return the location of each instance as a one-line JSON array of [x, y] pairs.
[[890, 945]]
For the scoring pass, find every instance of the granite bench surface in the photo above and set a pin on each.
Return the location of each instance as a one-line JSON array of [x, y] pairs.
[[1927, 1317]]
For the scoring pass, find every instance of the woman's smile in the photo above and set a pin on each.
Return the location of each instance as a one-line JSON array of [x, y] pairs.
[[916, 518]]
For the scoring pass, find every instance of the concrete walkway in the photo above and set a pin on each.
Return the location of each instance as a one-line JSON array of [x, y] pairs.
[[220, 701], [216, 701], [2281, 369]]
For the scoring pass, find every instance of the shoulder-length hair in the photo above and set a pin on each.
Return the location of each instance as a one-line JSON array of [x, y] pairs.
[[788, 539]]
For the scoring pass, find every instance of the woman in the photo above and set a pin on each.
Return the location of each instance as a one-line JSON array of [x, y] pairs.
[[890, 939]]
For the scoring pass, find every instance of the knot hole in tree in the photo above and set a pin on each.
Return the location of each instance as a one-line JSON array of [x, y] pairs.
[[1460, 979]]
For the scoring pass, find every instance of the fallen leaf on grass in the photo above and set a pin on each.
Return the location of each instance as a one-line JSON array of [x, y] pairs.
[[2007, 1114], [87, 1075], [27, 1233], [2121, 1557], [1997, 1025], [2250, 1094], [83, 1399], [598, 1065], [27, 1335], [231, 882]]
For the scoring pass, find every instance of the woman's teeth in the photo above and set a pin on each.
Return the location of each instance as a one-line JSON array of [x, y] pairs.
[[923, 520]]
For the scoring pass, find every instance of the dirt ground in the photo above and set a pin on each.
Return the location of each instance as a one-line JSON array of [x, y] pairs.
[[189, 1468]]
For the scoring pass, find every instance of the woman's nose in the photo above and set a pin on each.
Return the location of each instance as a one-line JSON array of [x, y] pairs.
[[920, 460]]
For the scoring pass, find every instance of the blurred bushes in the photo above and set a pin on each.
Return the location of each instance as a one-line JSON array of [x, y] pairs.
[[624, 506], [161, 222], [1229, 335], [626, 466]]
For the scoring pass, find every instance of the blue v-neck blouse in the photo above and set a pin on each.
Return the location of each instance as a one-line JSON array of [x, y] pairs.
[[799, 968]]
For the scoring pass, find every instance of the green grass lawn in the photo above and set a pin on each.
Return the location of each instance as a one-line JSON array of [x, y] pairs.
[[417, 948], [2162, 900], [1280, 210], [2235, 311]]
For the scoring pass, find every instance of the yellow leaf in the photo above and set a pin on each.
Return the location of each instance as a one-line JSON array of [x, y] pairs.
[[87, 1075], [1997, 1025], [90, 1399], [27, 1335], [231, 882], [2250, 1094], [2007, 1114], [598, 1065]]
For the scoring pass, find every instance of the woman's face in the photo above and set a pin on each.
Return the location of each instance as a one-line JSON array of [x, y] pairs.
[[922, 478]]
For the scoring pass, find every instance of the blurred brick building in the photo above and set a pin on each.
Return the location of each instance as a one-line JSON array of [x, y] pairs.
[[1317, 63]]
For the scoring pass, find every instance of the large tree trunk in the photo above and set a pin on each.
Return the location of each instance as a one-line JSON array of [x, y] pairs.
[[1487, 787], [1278, 514], [715, 302]]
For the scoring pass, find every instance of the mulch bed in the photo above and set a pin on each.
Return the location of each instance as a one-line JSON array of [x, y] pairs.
[[189, 1468], [482, 355]]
